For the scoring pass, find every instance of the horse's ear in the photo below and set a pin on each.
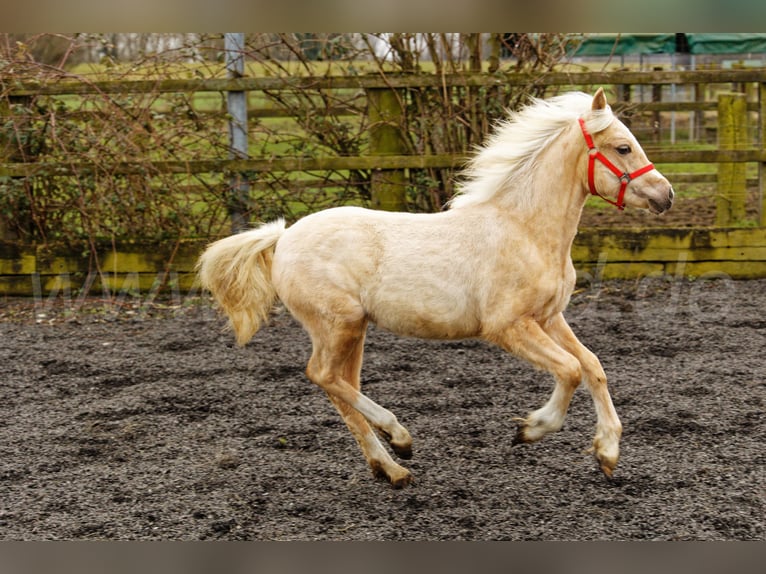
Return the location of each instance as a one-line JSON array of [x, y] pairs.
[[599, 100]]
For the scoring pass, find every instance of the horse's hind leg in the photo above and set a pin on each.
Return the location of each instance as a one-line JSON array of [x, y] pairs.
[[335, 366], [381, 463]]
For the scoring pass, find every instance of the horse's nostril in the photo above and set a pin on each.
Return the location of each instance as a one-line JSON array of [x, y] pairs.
[[671, 194]]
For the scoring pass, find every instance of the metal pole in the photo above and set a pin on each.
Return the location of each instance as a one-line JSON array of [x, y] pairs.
[[236, 103]]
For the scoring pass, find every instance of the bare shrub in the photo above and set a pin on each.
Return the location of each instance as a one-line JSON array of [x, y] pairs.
[[96, 163]]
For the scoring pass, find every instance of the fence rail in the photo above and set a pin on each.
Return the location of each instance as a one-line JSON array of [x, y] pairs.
[[387, 156], [335, 163], [130, 268], [391, 81]]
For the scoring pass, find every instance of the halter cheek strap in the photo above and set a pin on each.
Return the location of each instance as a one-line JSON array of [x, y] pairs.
[[624, 177]]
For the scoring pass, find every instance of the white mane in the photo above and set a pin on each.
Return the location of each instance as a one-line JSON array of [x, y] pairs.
[[506, 161]]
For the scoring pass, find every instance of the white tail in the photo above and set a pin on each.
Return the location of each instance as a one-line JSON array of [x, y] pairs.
[[237, 271]]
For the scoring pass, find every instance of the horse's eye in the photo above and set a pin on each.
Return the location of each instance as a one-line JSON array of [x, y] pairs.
[[623, 149]]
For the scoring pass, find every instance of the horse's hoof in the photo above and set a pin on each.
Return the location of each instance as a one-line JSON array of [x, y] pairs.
[[403, 452], [397, 476], [401, 481], [607, 467], [520, 437]]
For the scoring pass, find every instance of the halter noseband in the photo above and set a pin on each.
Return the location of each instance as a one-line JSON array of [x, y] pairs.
[[624, 177]]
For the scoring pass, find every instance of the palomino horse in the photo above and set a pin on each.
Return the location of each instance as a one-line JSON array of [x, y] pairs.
[[495, 266]]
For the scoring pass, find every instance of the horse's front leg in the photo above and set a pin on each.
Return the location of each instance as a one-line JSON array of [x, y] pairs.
[[528, 340], [606, 444]]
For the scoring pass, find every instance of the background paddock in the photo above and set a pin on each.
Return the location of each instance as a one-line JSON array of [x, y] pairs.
[[143, 421]]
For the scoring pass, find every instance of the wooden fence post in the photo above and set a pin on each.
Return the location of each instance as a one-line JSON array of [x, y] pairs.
[[5, 156], [656, 116], [698, 116], [388, 186], [732, 134], [762, 165], [624, 96], [15, 148]]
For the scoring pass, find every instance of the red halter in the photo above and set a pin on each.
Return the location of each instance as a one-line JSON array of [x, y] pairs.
[[624, 177]]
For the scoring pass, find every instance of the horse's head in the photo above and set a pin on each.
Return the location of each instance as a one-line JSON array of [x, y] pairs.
[[618, 169]]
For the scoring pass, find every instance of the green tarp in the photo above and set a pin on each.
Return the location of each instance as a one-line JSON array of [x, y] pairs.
[[634, 44], [727, 43], [625, 44]]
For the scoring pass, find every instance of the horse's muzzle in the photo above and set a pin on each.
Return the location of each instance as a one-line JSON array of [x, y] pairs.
[[663, 204]]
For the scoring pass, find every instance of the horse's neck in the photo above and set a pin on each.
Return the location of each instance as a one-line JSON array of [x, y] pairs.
[[558, 196], [556, 225]]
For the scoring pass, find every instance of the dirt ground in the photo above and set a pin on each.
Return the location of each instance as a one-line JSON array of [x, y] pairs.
[[144, 421]]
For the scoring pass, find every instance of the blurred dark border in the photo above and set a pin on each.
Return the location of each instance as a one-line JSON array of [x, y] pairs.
[[388, 16], [380, 558]]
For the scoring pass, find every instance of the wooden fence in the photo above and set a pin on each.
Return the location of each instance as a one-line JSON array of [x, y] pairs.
[[623, 253]]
